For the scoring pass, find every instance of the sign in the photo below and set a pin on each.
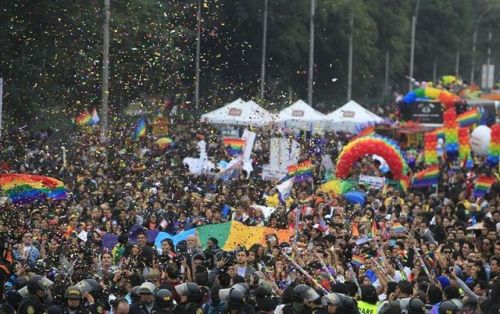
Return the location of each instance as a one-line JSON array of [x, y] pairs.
[[488, 75], [423, 112], [348, 114], [372, 182], [298, 113], [235, 112]]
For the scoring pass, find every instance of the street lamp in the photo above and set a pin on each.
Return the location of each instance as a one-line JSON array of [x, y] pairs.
[[474, 41], [412, 52]]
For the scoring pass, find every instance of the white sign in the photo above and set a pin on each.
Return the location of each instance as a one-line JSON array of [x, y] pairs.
[[487, 76], [373, 182]]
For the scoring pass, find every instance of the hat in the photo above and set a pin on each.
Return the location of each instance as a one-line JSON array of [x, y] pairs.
[[444, 281], [147, 288]]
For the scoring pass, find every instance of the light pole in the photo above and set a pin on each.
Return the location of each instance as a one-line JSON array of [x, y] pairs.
[[349, 60], [474, 41], [412, 52], [264, 48], [105, 72], [311, 54], [198, 43]]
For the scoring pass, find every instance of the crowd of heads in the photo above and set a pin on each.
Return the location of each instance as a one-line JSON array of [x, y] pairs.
[[446, 260]]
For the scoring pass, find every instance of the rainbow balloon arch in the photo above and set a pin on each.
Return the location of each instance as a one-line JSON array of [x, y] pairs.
[[372, 145]]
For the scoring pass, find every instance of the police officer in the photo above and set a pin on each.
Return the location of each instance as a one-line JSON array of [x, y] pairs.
[[74, 302], [303, 300], [191, 298], [334, 303], [164, 302], [34, 301]]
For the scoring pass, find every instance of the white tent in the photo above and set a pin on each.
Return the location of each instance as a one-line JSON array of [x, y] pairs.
[[349, 115], [239, 112], [302, 116]]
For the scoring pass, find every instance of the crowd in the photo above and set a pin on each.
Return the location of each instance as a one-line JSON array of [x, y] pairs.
[[345, 259]]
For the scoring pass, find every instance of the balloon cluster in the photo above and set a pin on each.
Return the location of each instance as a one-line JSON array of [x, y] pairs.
[[372, 145], [445, 97], [430, 151], [494, 147], [464, 146], [451, 133]]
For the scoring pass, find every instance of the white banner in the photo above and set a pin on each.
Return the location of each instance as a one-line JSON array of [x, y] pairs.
[[372, 182]]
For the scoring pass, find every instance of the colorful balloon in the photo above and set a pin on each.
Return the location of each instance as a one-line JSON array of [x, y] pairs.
[[369, 145]]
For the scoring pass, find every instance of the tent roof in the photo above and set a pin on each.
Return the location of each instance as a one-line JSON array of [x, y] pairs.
[[239, 112], [300, 111], [352, 111]]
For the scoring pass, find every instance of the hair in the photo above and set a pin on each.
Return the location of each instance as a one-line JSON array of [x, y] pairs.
[[434, 294], [452, 292], [369, 294], [117, 302], [405, 287], [224, 279], [352, 288]]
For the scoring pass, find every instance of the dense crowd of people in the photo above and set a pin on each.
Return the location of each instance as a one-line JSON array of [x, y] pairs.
[[447, 259]]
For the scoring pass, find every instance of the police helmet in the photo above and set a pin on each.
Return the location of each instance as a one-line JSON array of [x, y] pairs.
[[73, 293], [163, 298]]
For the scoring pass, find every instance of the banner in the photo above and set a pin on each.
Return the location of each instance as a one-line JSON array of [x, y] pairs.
[[423, 112], [372, 182]]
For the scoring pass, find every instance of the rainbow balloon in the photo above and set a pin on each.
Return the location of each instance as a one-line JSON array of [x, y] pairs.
[[370, 145], [464, 145], [27, 188], [445, 97], [430, 148], [494, 147], [451, 133]]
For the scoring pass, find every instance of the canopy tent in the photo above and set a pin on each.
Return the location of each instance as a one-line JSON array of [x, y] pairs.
[[300, 115], [349, 115], [239, 112]]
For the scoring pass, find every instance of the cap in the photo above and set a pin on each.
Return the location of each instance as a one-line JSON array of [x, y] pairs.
[[147, 288], [164, 297]]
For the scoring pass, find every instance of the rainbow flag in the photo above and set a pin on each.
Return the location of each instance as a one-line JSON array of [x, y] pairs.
[[404, 183], [398, 228], [140, 130], [234, 146], [83, 118], [426, 177], [301, 171], [439, 132], [469, 117], [27, 188], [357, 260], [230, 235], [483, 185], [95, 117], [369, 130]]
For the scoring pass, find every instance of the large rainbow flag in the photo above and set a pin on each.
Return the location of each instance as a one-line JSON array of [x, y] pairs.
[[234, 146], [483, 185], [426, 177], [229, 234], [301, 171], [26, 188]]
